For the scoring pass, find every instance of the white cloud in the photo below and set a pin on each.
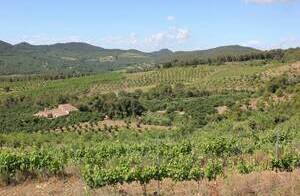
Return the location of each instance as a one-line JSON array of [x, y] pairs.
[[171, 18], [119, 41], [268, 1], [288, 42], [158, 37], [167, 39], [133, 38], [253, 43], [170, 38], [182, 35]]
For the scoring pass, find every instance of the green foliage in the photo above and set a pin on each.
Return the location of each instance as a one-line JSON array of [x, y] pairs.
[[260, 121], [212, 170], [122, 106], [277, 83], [37, 162], [287, 162], [156, 119], [222, 146], [244, 168], [74, 58], [68, 58], [22, 120], [199, 144]]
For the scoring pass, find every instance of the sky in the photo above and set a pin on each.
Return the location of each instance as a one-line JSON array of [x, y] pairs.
[[150, 25]]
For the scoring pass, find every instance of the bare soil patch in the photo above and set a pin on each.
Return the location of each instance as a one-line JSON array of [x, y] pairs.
[[222, 109], [263, 183]]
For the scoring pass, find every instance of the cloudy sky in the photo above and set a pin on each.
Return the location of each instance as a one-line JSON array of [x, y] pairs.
[[150, 25]]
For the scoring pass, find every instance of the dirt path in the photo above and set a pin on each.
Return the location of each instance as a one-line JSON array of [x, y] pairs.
[[264, 183]]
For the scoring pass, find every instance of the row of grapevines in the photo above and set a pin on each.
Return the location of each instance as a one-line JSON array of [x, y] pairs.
[[34, 162], [180, 168]]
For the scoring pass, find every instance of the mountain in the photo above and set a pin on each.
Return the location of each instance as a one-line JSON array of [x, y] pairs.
[[77, 57], [162, 52], [76, 46], [74, 57], [5, 46]]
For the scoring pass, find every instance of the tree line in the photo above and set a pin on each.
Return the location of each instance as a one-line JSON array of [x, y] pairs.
[[45, 77], [266, 55]]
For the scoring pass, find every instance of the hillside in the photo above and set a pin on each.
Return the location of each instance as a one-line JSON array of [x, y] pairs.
[[24, 58], [224, 129], [4, 46], [233, 50], [230, 128]]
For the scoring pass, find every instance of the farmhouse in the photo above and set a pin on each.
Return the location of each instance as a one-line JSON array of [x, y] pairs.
[[62, 110]]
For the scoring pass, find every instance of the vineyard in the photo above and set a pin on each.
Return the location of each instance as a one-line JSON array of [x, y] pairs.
[[204, 77], [106, 126], [107, 160], [150, 98], [152, 78], [156, 126]]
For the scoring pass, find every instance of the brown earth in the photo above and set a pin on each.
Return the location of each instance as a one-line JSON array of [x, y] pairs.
[[285, 69], [264, 183], [222, 109]]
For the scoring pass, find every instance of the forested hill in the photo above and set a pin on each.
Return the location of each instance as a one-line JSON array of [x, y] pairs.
[[76, 57], [24, 58], [233, 50]]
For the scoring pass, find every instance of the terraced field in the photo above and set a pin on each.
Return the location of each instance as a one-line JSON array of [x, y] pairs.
[[152, 78], [230, 76], [106, 126]]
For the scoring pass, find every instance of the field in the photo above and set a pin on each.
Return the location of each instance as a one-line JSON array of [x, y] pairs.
[[204, 77], [165, 132]]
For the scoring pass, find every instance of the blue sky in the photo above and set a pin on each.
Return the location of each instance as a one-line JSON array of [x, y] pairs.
[[153, 24]]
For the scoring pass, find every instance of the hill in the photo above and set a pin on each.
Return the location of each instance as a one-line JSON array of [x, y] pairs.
[[24, 58], [76, 57], [213, 126], [214, 52], [4, 46]]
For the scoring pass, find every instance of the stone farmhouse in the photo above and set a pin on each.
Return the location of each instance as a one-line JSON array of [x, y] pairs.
[[62, 110]]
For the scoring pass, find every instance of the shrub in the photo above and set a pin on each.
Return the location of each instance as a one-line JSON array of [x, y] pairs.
[[212, 170], [244, 168], [287, 162]]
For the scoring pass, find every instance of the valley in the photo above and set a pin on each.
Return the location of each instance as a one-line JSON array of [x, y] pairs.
[[195, 124]]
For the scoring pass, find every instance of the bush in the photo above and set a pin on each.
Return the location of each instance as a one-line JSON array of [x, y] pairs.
[[156, 119], [277, 83], [212, 170], [244, 168], [288, 162], [221, 146]]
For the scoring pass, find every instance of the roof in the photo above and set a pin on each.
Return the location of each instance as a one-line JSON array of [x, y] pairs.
[[62, 110], [67, 107]]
